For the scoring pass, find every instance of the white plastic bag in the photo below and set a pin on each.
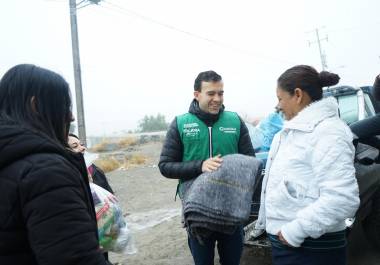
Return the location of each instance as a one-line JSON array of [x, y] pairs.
[[113, 231]]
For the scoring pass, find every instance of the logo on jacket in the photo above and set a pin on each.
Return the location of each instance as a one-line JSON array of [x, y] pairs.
[[190, 125], [227, 129], [191, 129]]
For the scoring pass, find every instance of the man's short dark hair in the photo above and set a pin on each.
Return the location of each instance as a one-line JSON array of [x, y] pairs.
[[207, 76]]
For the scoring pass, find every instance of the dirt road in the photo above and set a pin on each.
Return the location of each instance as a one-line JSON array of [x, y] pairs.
[[148, 200]]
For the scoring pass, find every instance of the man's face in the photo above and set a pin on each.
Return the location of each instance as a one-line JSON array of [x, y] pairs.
[[210, 98], [76, 145]]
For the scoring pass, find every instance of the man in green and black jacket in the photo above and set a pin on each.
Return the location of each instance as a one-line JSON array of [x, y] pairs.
[[195, 143]]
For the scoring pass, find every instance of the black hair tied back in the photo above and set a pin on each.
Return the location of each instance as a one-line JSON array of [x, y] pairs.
[[328, 79]]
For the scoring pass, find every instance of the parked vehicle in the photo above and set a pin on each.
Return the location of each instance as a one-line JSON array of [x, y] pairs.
[[355, 105]]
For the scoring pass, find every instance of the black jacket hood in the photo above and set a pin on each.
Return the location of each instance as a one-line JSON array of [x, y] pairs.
[[208, 118], [47, 204], [17, 142]]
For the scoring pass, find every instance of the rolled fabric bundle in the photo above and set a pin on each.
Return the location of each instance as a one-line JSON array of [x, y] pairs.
[[221, 200]]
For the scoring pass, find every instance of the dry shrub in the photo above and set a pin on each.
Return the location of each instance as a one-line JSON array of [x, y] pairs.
[[138, 159], [135, 160], [107, 164], [100, 147], [105, 146], [127, 141]]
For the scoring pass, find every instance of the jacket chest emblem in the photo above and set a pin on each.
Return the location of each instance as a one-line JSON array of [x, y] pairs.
[[228, 130], [191, 129]]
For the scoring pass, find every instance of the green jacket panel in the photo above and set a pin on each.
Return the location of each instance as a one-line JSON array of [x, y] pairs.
[[195, 136]]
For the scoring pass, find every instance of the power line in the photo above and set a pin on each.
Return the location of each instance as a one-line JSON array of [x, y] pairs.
[[129, 12], [84, 5], [353, 28], [81, 2]]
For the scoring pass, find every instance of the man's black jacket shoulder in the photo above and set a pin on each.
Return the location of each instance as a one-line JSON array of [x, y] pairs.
[[376, 88]]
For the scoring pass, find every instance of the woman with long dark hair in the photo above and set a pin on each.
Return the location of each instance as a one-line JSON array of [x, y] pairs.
[[46, 210], [309, 188]]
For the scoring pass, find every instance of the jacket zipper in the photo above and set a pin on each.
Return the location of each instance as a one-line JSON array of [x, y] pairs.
[[210, 141]]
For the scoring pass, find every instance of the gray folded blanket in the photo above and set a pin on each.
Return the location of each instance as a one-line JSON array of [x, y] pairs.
[[220, 201]]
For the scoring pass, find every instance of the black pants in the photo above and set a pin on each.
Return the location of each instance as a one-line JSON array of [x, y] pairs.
[[302, 256], [230, 248], [106, 257]]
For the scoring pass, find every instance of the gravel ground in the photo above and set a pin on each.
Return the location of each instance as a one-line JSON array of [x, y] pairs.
[[154, 217]]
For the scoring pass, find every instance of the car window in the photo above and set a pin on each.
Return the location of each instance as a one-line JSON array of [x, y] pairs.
[[348, 108], [369, 109]]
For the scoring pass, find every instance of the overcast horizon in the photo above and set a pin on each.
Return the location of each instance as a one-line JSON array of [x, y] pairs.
[[141, 57]]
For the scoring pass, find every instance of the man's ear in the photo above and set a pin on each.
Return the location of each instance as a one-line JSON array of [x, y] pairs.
[[33, 104], [196, 94]]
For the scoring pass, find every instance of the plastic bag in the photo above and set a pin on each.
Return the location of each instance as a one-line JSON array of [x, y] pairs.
[[113, 231]]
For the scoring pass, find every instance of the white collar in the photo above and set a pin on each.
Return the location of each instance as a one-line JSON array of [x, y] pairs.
[[308, 118]]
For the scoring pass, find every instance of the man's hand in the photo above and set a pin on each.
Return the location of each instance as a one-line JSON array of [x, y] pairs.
[[212, 164], [283, 240]]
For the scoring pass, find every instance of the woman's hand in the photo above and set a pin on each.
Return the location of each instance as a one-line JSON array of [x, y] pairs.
[[283, 240]]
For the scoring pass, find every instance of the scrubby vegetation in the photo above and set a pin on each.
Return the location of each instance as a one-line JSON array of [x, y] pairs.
[[127, 142], [108, 145], [107, 164], [134, 160]]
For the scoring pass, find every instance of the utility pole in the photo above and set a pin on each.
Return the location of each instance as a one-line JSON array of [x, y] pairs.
[[76, 63], [77, 72], [322, 55]]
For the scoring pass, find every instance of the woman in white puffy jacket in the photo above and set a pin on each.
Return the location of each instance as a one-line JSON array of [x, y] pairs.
[[310, 187]]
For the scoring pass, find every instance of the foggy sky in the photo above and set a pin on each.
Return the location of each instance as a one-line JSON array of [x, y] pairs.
[[141, 57]]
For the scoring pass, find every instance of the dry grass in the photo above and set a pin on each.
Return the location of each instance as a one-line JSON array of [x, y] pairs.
[[135, 160], [107, 164], [100, 147], [110, 163], [109, 145], [126, 142]]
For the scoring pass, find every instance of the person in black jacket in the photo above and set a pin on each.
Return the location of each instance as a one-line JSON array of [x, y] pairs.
[[367, 129], [47, 215], [195, 143], [376, 88]]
